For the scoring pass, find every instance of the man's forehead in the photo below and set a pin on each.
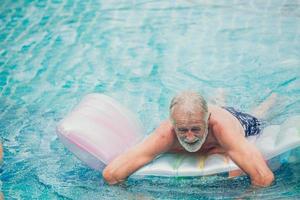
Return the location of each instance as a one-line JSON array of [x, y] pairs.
[[189, 122], [194, 114], [189, 118]]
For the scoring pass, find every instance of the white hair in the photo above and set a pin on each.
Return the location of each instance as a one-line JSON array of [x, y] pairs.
[[189, 102]]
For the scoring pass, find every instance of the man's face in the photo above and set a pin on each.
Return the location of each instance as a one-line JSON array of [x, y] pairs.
[[191, 129]]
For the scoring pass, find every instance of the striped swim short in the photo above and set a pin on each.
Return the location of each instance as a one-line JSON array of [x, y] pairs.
[[251, 125]]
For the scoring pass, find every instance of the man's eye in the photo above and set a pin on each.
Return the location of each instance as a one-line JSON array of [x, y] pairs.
[[183, 130], [196, 129]]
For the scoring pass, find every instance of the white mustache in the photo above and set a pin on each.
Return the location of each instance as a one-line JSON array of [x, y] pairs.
[[191, 142]]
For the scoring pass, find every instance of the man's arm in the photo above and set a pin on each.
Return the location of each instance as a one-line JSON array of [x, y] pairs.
[[156, 143], [245, 155]]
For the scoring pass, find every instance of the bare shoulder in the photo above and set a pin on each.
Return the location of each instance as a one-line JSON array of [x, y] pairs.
[[161, 138], [165, 130], [222, 122]]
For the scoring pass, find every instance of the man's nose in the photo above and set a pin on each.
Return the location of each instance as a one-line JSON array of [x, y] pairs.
[[190, 135]]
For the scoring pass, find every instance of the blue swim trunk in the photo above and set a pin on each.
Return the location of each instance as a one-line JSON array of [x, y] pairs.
[[251, 125]]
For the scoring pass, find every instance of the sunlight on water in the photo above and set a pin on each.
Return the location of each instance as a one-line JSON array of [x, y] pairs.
[[53, 52]]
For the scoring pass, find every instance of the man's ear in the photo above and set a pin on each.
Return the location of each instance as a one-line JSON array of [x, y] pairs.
[[172, 120], [208, 116]]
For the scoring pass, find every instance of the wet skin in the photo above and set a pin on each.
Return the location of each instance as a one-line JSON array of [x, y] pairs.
[[225, 135]]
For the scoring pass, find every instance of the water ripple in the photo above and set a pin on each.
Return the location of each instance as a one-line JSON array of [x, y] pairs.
[[52, 53]]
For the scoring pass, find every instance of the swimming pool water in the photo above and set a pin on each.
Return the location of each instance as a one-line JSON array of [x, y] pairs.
[[53, 52]]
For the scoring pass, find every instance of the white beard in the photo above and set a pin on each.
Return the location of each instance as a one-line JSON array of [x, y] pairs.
[[194, 146]]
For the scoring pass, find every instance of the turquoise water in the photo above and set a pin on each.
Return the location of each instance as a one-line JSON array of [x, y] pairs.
[[52, 53]]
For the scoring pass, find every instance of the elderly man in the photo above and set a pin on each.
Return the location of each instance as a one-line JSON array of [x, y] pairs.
[[195, 126]]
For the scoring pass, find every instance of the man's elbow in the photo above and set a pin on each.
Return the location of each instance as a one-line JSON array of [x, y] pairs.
[[264, 181], [109, 176]]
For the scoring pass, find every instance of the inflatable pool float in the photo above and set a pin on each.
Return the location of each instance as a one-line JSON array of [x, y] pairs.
[[98, 129]]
